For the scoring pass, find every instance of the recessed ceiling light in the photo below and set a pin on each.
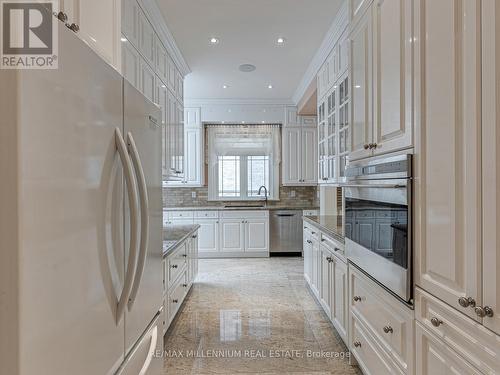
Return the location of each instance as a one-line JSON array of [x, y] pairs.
[[270, 86], [214, 40], [225, 86], [123, 39], [263, 122], [247, 68], [243, 122], [280, 41]]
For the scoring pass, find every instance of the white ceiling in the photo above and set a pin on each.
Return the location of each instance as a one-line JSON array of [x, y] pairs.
[[248, 30]]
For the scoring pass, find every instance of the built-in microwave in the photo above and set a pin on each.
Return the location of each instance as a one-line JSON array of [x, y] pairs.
[[378, 221]]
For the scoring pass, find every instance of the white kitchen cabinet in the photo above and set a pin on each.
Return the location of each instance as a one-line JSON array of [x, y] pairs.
[[361, 71], [326, 278], [172, 75], [130, 21], [448, 171], [147, 81], [292, 117], [131, 64], [193, 150], [257, 234], [147, 39], [491, 162], [300, 156], [99, 23], [392, 75], [432, 357], [232, 235], [339, 305], [307, 250], [343, 54], [161, 99], [161, 61], [179, 86], [208, 235]]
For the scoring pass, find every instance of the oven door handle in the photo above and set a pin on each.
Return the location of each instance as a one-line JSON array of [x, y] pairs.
[[384, 186]]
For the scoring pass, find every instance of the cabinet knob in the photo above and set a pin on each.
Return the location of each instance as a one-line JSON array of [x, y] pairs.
[[436, 322], [388, 329], [195, 236], [484, 311], [174, 266], [74, 27], [184, 255], [466, 302], [357, 344], [184, 285], [356, 298], [336, 249], [63, 17]]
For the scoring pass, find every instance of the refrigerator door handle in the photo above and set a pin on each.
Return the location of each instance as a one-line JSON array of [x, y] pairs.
[[134, 243], [143, 195]]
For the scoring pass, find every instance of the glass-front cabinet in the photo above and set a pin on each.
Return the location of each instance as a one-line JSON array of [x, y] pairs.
[[334, 132]]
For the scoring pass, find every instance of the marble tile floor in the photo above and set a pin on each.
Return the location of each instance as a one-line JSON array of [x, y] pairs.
[[253, 316]]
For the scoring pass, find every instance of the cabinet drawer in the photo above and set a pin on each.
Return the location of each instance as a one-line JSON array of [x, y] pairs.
[[312, 231], [176, 264], [177, 294], [389, 321], [206, 214], [464, 335], [182, 214], [334, 246], [370, 356], [310, 212], [235, 214]]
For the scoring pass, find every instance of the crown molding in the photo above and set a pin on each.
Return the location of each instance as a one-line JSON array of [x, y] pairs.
[[333, 35], [150, 7], [198, 102]]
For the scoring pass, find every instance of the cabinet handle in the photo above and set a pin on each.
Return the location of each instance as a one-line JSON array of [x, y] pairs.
[[174, 266], [74, 27], [388, 329], [356, 298], [184, 285], [313, 232], [63, 17], [194, 236], [436, 322], [184, 255], [175, 301], [484, 311], [466, 302], [357, 344], [309, 241], [336, 249]]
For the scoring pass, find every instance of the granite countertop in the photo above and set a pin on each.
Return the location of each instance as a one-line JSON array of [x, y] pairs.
[[174, 235], [330, 224], [246, 208]]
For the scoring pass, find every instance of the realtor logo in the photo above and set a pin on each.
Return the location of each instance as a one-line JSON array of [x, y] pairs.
[[29, 34]]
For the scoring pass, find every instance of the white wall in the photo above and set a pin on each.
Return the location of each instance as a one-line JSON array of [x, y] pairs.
[[230, 111]]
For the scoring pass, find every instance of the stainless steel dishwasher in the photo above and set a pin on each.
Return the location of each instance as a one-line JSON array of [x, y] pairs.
[[285, 231]]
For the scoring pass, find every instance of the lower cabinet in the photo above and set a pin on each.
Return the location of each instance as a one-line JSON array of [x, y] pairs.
[[326, 273], [180, 270], [208, 235], [232, 235]]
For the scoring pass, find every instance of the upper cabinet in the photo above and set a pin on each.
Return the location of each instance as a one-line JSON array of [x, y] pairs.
[[381, 85], [299, 150], [98, 23]]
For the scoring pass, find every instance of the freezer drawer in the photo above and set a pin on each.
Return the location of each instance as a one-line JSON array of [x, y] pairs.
[[146, 358]]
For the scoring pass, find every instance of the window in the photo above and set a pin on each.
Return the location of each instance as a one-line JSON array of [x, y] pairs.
[[229, 176], [258, 174], [241, 160]]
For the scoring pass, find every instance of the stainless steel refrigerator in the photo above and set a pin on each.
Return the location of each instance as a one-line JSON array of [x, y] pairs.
[[80, 220]]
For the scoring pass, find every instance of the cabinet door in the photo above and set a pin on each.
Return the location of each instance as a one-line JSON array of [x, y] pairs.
[[291, 156], [208, 235], [100, 26], [161, 99], [448, 183], [146, 39], [192, 164], [130, 21], [361, 88], [326, 279], [257, 235], [232, 235], [338, 298], [148, 83], [333, 67], [172, 77], [161, 61], [343, 59], [180, 138], [434, 357], [309, 155], [172, 133], [315, 267], [131, 64], [192, 117], [392, 50], [307, 250], [179, 87], [491, 163]]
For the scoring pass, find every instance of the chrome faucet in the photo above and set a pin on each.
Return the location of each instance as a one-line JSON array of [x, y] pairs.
[[265, 189]]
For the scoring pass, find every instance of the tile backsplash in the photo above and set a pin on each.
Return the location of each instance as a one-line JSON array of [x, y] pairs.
[[305, 196]]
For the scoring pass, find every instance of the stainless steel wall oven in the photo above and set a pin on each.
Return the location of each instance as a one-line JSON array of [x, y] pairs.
[[378, 221]]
